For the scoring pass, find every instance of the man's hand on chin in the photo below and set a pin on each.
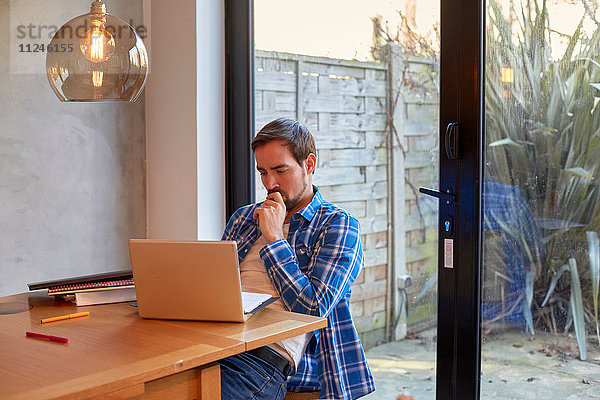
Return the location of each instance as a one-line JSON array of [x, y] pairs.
[[270, 217]]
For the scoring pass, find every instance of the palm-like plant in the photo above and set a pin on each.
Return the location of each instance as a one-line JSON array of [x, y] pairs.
[[543, 137]]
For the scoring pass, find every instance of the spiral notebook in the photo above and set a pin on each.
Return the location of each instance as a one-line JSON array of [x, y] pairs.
[[99, 281], [195, 280], [90, 286]]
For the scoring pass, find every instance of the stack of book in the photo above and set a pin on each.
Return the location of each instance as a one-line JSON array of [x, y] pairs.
[[109, 287]]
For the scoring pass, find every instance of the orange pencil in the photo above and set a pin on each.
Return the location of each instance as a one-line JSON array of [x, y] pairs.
[[68, 316]]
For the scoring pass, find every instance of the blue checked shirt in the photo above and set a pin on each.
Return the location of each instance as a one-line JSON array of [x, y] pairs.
[[312, 271]]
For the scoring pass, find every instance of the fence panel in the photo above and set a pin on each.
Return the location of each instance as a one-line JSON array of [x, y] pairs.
[[343, 103]]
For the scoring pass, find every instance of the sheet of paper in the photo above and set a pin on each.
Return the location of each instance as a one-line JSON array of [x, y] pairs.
[[252, 300]]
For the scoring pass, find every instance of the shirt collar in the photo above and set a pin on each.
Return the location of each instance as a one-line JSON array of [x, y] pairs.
[[309, 211]]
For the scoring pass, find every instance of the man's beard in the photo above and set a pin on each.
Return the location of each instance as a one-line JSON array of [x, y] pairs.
[[291, 203]]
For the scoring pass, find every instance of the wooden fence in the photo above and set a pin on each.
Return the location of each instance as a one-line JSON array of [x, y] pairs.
[[343, 103]]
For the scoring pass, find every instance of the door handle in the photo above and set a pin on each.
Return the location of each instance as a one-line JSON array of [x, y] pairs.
[[447, 196], [451, 140]]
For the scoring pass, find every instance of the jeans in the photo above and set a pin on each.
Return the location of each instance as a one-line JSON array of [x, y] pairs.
[[245, 377]]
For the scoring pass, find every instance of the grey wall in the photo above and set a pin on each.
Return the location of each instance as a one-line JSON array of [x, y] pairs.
[[72, 176]]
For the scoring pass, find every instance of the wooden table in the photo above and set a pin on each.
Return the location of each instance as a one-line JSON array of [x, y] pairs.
[[115, 354]]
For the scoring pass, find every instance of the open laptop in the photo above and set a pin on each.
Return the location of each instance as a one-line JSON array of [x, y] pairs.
[[191, 280]]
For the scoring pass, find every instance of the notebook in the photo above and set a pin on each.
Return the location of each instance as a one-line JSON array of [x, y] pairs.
[[191, 280], [77, 283]]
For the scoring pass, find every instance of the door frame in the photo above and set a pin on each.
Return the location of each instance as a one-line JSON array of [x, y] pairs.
[[239, 104], [459, 289], [461, 100]]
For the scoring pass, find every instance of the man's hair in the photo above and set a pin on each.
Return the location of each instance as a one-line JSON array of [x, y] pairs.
[[297, 136]]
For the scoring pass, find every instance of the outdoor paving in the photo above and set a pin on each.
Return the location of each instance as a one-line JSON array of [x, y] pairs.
[[514, 366]]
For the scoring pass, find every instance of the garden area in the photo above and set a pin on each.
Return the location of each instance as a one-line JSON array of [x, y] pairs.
[[541, 217]]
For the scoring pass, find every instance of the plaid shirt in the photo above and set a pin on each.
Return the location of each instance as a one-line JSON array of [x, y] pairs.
[[312, 271]]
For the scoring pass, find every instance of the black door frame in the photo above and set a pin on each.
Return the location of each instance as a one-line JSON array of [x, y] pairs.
[[239, 104], [459, 288], [461, 100]]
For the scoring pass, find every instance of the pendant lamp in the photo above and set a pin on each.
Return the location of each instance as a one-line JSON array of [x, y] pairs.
[[97, 57]]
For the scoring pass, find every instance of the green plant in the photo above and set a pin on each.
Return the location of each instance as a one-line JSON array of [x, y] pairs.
[[594, 252], [543, 136], [575, 303]]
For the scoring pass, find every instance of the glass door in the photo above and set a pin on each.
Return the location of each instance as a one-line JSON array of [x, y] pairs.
[[541, 214], [363, 76], [392, 92]]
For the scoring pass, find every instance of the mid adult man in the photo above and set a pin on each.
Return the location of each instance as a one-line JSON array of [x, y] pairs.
[[307, 252]]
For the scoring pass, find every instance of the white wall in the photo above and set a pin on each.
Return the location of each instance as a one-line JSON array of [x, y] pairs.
[[185, 120], [210, 106]]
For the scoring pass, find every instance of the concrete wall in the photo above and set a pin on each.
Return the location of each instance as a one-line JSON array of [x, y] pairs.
[[72, 176]]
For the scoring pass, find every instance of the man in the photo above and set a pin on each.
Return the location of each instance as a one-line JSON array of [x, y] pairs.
[[306, 251]]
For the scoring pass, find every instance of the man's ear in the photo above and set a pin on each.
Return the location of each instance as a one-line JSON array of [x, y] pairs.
[[311, 163]]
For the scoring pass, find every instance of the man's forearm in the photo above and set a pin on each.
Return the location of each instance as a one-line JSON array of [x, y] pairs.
[[318, 292]]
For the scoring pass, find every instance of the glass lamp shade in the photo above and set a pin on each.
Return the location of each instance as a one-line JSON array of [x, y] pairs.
[[97, 57]]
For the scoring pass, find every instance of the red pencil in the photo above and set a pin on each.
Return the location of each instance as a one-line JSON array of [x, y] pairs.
[[47, 337]]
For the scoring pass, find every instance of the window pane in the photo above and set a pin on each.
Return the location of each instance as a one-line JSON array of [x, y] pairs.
[[363, 76], [541, 200]]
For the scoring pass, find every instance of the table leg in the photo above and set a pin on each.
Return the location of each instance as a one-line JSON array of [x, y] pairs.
[[209, 382]]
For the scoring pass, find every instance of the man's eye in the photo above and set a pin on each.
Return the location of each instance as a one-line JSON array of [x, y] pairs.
[[262, 173], [281, 171]]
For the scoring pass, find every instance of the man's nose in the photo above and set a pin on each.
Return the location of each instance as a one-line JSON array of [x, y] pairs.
[[270, 182]]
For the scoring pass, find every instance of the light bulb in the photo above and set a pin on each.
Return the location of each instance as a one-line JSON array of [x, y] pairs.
[[97, 78], [97, 44], [108, 66]]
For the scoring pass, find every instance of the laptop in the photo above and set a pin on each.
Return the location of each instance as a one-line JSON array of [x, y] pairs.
[[191, 280]]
